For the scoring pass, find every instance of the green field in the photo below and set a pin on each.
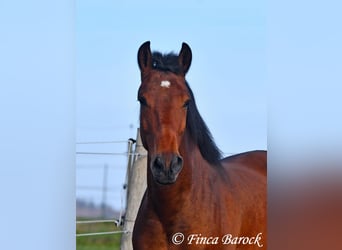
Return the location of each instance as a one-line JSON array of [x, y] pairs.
[[98, 242]]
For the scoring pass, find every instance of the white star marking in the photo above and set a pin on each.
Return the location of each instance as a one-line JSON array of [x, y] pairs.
[[165, 84]]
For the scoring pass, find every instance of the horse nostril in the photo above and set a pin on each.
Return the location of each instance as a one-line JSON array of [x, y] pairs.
[[158, 163], [176, 164]]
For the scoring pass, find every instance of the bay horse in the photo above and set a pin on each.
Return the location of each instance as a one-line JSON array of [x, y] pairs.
[[194, 199]]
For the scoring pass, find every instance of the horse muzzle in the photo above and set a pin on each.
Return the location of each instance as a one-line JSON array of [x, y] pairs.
[[166, 168]]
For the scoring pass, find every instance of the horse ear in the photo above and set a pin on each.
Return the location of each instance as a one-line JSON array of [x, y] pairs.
[[185, 57], [144, 57]]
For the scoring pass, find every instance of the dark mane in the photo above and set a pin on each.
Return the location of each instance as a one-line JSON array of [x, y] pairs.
[[166, 62], [196, 126]]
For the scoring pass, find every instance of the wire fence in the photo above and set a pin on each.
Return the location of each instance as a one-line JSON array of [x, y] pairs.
[[98, 233], [130, 156], [104, 189], [100, 142]]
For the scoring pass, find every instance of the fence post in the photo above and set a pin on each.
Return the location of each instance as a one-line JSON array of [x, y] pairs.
[[130, 162], [135, 191], [104, 192]]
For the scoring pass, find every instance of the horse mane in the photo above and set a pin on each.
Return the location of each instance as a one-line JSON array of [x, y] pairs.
[[195, 124], [166, 62]]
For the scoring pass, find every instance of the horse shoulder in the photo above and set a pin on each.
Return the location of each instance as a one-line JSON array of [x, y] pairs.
[[247, 180], [148, 232]]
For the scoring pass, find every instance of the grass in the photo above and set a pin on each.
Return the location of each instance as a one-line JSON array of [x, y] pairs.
[[97, 242]]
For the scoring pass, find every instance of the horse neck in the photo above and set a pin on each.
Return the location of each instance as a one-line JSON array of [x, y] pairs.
[[172, 198]]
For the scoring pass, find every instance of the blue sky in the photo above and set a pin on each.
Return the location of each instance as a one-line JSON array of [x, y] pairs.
[[227, 73]]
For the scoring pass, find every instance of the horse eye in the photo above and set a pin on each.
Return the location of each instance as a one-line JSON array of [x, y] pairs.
[[186, 104], [142, 100]]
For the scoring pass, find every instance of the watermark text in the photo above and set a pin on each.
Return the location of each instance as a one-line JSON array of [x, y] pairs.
[[227, 239]]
